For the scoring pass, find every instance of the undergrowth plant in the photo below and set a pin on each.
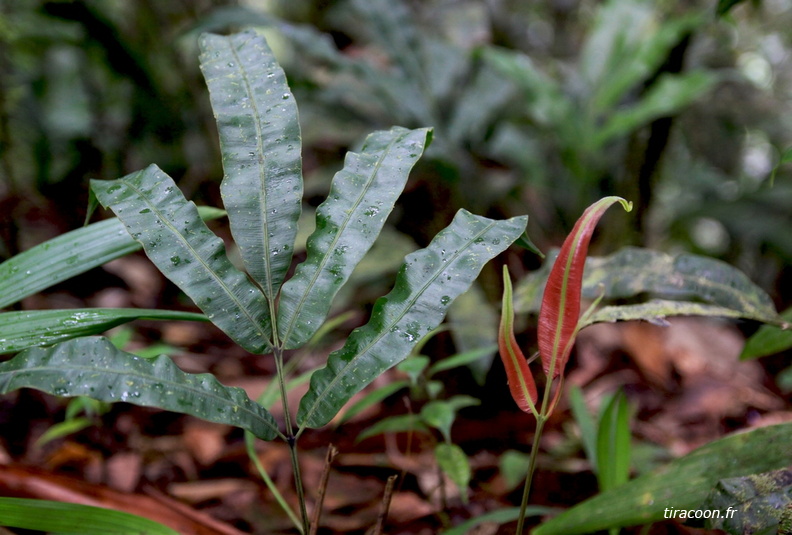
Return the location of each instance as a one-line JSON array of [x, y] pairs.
[[258, 308], [707, 288]]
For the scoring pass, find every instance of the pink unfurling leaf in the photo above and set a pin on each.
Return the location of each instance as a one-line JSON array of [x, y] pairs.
[[560, 310], [521, 382]]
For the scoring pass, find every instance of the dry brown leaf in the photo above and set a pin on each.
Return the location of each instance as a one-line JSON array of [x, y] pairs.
[[124, 470], [200, 491], [33, 483]]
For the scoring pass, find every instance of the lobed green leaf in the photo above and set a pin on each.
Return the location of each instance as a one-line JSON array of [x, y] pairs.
[[94, 367], [183, 248], [261, 147], [361, 197], [428, 282], [34, 328]]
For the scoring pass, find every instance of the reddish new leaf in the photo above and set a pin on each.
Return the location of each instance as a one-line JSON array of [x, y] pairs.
[[521, 382], [558, 316]]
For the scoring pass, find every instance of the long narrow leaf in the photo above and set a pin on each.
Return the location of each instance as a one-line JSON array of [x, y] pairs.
[[68, 255], [67, 518], [613, 444], [33, 328], [347, 223], [521, 382], [560, 310], [261, 144], [429, 281], [95, 368], [184, 249], [703, 286], [682, 484]]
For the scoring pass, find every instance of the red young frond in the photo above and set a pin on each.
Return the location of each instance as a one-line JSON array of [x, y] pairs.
[[558, 316], [521, 382]]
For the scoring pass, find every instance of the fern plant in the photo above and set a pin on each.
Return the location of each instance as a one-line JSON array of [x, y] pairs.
[[259, 309]]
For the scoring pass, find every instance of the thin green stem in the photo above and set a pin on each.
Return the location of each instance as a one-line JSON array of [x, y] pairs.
[[250, 447], [291, 439], [529, 478]]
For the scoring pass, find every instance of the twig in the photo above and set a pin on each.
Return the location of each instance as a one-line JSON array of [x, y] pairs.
[[385, 505], [332, 451]]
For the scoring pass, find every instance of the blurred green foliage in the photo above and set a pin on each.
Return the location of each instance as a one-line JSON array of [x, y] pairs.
[[538, 107]]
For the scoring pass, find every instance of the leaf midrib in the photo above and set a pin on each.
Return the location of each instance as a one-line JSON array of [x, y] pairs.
[[262, 190], [195, 254], [326, 257], [135, 374], [386, 330]]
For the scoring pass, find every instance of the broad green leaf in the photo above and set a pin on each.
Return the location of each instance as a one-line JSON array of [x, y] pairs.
[[613, 444], [633, 272], [441, 414], [756, 504], [19, 330], [394, 424], [74, 519], [501, 516], [454, 463], [95, 368], [261, 147], [427, 283], [656, 310], [560, 310], [157, 215], [68, 255], [768, 340], [347, 223], [681, 484], [667, 96]]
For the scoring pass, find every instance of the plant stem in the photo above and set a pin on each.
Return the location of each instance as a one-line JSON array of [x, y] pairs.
[[249, 444], [529, 477], [291, 439]]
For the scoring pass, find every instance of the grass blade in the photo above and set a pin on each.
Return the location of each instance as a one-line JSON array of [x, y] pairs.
[[34, 328], [69, 254], [71, 518]]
